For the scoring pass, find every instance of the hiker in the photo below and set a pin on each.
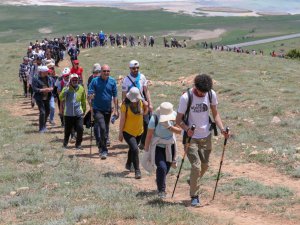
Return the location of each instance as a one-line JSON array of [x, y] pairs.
[[202, 99], [74, 99], [145, 40], [161, 142], [33, 73], [101, 38], [101, 91], [73, 52], [137, 79], [54, 77], [151, 41], [42, 86], [131, 126], [24, 71], [60, 83], [78, 70]]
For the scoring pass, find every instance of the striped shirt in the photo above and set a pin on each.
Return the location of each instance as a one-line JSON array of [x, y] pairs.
[[24, 71]]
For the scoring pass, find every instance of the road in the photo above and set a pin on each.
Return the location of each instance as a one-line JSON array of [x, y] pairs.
[[267, 40]]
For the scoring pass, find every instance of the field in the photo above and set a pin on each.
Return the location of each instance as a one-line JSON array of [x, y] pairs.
[[40, 183]]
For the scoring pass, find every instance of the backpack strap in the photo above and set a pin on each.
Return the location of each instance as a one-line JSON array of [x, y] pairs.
[[190, 99], [155, 119]]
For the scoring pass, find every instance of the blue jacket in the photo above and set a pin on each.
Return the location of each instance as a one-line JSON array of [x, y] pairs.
[[38, 84], [104, 91]]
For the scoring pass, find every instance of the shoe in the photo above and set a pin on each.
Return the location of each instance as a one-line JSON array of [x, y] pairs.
[[195, 202], [78, 147], [129, 167], [32, 104], [65, 145], [138, 174], [162, 194], [103, 155], [108, 143], [141, 146], [52, 122], [44, 130]]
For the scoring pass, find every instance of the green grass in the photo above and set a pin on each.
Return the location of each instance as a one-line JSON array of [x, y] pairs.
[[246, 187]]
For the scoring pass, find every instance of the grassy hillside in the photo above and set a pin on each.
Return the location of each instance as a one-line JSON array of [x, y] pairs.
[[20, 23]]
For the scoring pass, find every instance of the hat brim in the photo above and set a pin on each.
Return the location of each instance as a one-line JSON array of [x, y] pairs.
[[136, 99], [164, 118]]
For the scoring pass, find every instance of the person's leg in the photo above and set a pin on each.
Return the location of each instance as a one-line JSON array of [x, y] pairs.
[[52, 109], [25, 87], [134, 152], [146, 119], [99, 119], [205, 148], [47, 110], [194, 159], [162, 168], [68, 128], [41, 107], [107, 117], [79, 130]]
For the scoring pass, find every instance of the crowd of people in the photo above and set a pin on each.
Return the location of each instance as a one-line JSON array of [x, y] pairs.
[[140, 125]]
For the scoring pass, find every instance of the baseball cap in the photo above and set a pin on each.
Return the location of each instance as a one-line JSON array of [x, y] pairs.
[[133, 63], [44, 69], [76, 61], [66, 72], [134, 94], [74, 75], [96, 67]]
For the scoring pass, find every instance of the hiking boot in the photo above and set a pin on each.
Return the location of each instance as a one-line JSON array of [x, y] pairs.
[[129, 167], [103, 155], [195, 202], [78, 147], [162, 194], [138, 174]]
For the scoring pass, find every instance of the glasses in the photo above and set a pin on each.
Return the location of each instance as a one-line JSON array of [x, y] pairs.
[[106, 71], [135, 68]]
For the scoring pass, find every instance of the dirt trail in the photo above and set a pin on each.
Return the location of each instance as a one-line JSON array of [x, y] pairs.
[[222, 208]]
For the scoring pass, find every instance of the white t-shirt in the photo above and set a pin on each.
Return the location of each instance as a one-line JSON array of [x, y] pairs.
[[199, 112], [127, 84]]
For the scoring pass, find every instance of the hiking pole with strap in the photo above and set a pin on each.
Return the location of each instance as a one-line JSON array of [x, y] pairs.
[[221, 162], [185, 149]]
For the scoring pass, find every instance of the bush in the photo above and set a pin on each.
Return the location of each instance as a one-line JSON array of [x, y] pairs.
[[293, 54]]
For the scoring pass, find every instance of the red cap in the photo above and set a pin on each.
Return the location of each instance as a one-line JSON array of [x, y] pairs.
[[76, 61]]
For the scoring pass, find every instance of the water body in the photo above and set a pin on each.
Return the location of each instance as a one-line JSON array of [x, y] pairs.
[[269, 6]]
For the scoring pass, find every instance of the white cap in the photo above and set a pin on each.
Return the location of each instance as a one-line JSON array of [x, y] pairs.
[[66, 71], [43, 69], [134, 94], [74, 75], [133, 63]]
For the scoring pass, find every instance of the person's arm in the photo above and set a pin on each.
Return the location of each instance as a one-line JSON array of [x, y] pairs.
[[121, 125], [63, 93], [181, 123], [83, 101], [116, 108], [218, 120], [149, 136], [148, 97], [145, 107]]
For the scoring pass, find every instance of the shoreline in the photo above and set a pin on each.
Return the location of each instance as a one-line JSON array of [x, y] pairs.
[[183, 7]]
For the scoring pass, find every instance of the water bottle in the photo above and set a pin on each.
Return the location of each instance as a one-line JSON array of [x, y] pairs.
[[113, 119]]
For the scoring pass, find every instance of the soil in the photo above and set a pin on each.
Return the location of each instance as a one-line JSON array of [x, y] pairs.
[[226, 208]]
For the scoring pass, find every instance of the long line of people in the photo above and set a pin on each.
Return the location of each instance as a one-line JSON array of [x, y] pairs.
[[140, 125]]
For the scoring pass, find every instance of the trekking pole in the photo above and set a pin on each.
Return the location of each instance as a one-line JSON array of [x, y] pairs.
[[185, 149], [221, 162]]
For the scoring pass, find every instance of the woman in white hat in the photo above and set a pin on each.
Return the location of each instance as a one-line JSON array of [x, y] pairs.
[[131, 126], [161, 143]]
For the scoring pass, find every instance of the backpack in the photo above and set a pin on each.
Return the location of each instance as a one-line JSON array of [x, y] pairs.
[[186, 115]]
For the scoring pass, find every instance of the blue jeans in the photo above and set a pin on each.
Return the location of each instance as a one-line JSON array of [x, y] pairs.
[[163, 167], [52, 108]]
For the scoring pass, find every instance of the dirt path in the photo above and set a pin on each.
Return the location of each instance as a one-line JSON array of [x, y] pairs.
[[226, 208]]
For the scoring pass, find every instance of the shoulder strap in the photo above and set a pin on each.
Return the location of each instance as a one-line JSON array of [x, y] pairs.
[[190, 99], [134, 84], [155, 119], [210, 96]]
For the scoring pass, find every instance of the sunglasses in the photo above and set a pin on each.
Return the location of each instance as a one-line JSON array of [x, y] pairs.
[[104, 71], [74, 80], [135, 68]]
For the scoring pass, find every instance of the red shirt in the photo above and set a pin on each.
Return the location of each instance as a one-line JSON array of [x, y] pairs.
[[78, 71]]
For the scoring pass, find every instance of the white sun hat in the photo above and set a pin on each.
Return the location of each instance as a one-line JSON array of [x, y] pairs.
[[165, 112]]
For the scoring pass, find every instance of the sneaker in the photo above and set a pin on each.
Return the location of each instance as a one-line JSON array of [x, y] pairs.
[[138, 174], [78, 147], [141, 146], [32, 104], [108, 143], [42, 131], [103, 155], [195, 202], [52, 122], [162, 195], [129, 167], [65, 145]]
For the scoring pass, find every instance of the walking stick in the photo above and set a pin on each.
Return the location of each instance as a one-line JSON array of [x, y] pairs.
[[185, 149], [221, 162]]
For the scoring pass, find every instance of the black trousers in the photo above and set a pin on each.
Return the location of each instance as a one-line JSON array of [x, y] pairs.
[[102, 119], [133, 153], [25, 87], [44, 108], [73, 122]]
